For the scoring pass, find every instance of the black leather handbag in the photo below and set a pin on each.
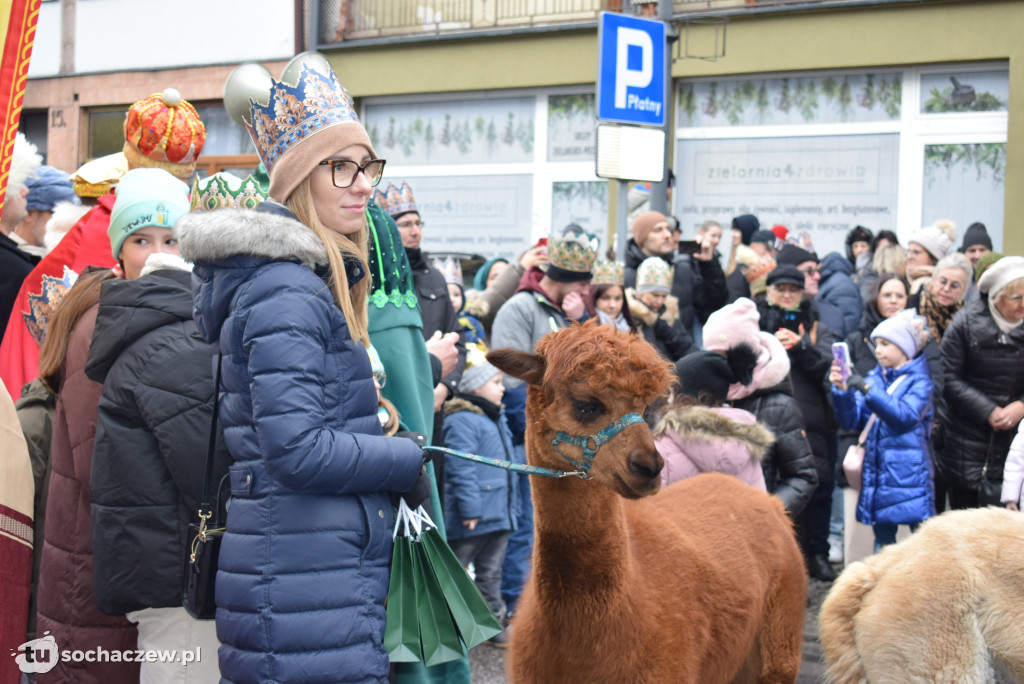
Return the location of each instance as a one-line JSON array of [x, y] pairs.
[[205, 535]]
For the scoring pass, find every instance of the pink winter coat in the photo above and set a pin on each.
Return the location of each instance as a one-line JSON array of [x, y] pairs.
[[699, 440]]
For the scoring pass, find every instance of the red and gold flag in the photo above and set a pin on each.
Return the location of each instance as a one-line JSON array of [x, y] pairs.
[[18, 20]]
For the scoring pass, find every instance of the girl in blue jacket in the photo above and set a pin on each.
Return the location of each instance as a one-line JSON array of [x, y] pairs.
[[897, 473], [283, 290]]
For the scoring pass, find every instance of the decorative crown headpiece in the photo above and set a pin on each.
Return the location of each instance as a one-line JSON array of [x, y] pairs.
[[450, 268], [608, 273], [653, 275], [42, 305], [575, 250], [164, 131], [222, 190], [295, 112], [395, 200]]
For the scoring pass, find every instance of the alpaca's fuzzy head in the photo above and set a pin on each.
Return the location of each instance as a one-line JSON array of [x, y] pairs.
[[582, 379]]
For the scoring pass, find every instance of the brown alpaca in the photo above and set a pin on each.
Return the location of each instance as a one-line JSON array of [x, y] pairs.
[[942, 606], [702, 582]]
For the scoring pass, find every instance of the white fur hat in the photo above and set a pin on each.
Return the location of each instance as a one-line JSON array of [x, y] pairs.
[[934, 239]]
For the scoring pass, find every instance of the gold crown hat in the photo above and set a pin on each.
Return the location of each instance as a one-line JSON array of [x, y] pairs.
[[609, 273], [450, 268], [301, 125], [223, 190], [97, 177], [164, 131], [396, 200], [653, 275], [571, 256]]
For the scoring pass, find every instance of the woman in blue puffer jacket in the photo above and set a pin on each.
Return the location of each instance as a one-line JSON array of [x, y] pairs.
[[897, 479], [303, 569]]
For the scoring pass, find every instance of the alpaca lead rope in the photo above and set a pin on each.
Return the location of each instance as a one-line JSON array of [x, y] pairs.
[[509, 465], [599, 438], [582, 441]]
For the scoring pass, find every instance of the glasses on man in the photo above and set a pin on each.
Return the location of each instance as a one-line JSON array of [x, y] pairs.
[[811, 270], [343, 171], [951, 285], [412, 223]]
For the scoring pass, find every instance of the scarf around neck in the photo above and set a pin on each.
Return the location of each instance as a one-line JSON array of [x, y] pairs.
[[938, 316]]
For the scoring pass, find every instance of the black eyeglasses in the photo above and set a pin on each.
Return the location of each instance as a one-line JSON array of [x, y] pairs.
[[343, 171]]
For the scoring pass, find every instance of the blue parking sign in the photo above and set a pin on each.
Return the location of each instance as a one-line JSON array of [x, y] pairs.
[[631, 70]]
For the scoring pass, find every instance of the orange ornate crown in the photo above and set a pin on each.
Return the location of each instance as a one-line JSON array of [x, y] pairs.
[[164, 131]]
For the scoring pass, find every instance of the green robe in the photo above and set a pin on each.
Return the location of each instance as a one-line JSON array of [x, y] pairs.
[[396, 332]]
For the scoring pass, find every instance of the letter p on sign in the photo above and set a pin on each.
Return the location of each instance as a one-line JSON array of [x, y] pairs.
[[631, 70], [625, 77]]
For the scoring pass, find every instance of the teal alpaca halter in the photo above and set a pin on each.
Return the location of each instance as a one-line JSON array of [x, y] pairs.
[[583, 442]]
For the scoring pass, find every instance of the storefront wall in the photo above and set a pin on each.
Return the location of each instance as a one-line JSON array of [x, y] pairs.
[[925, 165]]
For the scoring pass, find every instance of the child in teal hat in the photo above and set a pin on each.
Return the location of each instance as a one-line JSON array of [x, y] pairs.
[[149, 203]]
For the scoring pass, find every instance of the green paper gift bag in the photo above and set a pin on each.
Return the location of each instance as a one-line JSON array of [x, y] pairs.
[[469, 609], [402, 630], [438, 635]]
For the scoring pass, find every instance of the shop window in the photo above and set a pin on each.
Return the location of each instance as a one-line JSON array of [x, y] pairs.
[[572, 126], [453, 132], [830, 98], [965, 91], [965, 182]]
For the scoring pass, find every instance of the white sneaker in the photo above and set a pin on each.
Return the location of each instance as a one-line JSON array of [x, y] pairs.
[[835, 550]]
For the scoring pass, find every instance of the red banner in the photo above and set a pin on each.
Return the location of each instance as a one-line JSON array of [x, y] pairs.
[[21, 34]]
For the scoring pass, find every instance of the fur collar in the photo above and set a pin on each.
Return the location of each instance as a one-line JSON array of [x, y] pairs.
[[698, 422], [213, 236], [644, 314], [456, 404]]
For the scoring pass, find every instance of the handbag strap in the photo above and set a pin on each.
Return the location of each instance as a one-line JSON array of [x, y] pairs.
[[863, 439], [205, 506]]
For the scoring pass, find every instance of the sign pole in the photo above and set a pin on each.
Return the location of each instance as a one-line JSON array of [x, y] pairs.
[[622, 216], [659, 190]]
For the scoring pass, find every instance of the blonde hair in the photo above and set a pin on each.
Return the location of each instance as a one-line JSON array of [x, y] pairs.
[[889, 259], [351, 300]]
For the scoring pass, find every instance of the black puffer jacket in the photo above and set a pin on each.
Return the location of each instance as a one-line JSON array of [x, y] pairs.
[[809, 366], [695, 294], [788, 464], [984, 368], [437, 312], [151, 438]]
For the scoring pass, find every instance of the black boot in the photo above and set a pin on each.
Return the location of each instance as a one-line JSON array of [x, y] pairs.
[[820, 569]]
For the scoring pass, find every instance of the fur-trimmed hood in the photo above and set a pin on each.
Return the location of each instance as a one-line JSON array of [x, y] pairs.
[[698, 422], [456, 404], [214, 236], [228, 246], [643, 313]]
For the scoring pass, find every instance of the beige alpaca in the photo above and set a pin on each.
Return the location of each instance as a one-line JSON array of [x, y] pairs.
[[700, 583], [933, 607]]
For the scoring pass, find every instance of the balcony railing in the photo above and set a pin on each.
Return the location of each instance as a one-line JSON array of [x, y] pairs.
[[341, 21]]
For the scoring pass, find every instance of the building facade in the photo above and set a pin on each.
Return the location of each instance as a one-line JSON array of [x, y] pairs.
[[817, 116]]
